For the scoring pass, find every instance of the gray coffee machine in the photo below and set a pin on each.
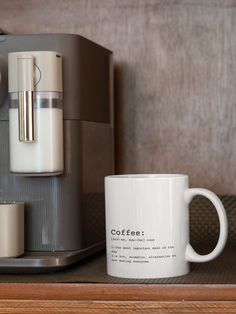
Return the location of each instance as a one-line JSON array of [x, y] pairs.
[[60, 145]]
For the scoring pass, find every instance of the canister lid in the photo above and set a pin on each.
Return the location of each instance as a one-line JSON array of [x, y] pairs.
[[47, 70]]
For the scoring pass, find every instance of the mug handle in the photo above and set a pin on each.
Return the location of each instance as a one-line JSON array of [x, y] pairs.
[[190, 254]]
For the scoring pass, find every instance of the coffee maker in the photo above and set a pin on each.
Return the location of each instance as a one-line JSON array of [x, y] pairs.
[[56, 145]]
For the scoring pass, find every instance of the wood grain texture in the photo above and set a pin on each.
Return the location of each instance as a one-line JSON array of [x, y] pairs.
[[97, 298], [109, 292], [115, 307], [175, 78]]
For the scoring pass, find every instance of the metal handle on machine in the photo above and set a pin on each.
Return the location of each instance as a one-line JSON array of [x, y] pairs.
[[26, 116], [26, 98]]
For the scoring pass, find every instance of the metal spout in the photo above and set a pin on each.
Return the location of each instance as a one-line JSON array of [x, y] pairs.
[[26, 116]]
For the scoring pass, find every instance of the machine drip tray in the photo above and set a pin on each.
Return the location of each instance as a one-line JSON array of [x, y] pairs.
[[45, 262]]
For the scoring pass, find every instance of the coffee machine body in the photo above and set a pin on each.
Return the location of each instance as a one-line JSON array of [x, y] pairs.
[[64, 219]]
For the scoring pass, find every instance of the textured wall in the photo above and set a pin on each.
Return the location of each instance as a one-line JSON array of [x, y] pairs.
[[175, 78]]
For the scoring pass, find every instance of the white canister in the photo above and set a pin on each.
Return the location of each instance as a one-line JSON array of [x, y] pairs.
[[11, 229], [36, 114]]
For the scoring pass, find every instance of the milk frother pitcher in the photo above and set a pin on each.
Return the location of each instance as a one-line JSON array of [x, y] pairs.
[[35, 115]]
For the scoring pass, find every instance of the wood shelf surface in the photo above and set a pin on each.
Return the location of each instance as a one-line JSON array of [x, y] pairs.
[[116, 308], [117, 292], [116, 298]]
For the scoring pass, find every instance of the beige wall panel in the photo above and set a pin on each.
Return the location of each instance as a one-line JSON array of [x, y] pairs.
[[175, 78]]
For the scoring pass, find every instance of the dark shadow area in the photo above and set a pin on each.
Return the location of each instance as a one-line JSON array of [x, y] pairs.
[[204, 223], [118, 112]]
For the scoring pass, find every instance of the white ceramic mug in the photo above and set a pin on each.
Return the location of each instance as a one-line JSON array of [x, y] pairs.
[[11, 229], [147, 225]]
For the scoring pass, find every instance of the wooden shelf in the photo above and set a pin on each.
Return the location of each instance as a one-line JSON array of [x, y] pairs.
[[116, 298]]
